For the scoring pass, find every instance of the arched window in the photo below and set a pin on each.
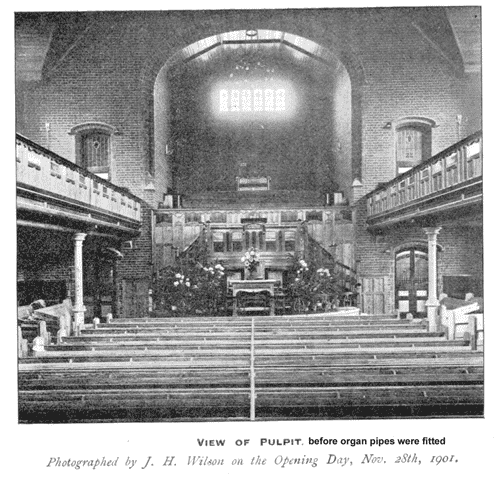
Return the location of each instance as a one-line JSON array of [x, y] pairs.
[[413, 142], [93, 147]]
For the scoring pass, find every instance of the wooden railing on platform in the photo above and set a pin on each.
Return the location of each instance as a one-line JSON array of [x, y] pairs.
[[454, 175], [47, 172]]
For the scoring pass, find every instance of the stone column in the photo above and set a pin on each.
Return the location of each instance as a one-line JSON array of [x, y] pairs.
[[432, 301], [79, 307], [97, 285], [115, 298]]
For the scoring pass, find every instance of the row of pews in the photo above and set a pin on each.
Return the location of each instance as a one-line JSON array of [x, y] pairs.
[[263, 368]]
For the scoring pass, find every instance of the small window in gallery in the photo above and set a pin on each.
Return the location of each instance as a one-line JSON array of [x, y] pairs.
[[95, 151], [93, 146], [413, 145]]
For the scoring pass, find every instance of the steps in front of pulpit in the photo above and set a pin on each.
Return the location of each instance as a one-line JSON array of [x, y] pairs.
[[178, 369]]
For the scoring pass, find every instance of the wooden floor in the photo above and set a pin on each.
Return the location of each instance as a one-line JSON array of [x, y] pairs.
[[203, 369]]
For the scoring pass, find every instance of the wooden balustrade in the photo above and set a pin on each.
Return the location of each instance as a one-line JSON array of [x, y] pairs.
[[238, 216], [45, 172], [232, 231], [457, 168]]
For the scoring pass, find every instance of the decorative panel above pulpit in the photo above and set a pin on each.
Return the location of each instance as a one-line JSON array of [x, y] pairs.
[[252, 184]]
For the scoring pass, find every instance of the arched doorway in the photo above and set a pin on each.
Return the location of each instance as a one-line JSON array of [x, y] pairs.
[[411, 281]]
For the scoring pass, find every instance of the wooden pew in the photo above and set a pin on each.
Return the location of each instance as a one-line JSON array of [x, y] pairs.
[[305, 367]]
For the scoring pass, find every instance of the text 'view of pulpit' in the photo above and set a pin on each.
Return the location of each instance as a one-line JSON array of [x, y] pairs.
[[253, 296]]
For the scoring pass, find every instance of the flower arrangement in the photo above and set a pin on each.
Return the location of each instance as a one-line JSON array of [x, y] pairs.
[[251, 259], [312, 287], [191, 289]]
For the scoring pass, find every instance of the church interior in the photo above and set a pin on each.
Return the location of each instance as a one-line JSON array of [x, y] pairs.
[[249, 214]]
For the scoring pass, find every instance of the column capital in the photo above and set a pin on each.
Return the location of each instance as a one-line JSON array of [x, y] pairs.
[[79, 237], [432, 230]]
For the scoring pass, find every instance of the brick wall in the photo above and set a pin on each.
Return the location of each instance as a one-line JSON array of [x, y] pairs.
[[110, 77], [405, 77]]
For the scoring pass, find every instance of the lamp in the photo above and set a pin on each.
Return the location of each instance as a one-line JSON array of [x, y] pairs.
[[251, 60]]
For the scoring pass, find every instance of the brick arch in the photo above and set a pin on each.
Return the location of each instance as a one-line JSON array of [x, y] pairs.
[[414, 120], [413, 242], [331, 42]]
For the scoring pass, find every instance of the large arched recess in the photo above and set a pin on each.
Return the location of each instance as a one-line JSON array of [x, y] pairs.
[[155, 128]]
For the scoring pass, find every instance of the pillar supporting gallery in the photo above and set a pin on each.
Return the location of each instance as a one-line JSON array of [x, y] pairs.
[[79, 308], [432, 303]]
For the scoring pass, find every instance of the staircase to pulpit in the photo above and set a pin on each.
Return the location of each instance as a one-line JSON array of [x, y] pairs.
[[280, 234]]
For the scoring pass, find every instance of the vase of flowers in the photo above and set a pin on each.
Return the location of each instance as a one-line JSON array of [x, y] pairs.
[[312, 287], [251, 261]]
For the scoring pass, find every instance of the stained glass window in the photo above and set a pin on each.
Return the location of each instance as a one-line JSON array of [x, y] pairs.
[[280, 99], [223, 100], [268, 100], [234, 100], [413, 146], [248, 100], [258, 103], [95, 151]]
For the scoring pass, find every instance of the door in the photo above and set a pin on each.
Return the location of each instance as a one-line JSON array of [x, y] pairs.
[[374, 295], [412, 282], [135, 301]]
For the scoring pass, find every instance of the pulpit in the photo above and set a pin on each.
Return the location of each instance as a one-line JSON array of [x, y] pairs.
[[253, 287]]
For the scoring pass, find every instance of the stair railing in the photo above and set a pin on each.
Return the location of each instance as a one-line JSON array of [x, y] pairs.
[[348, 274]]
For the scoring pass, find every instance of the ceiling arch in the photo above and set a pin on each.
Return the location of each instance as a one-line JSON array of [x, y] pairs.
[[301, 50]]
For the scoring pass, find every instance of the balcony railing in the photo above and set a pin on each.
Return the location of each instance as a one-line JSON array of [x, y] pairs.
[[454, 175], [239, 215], [45, 172]]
